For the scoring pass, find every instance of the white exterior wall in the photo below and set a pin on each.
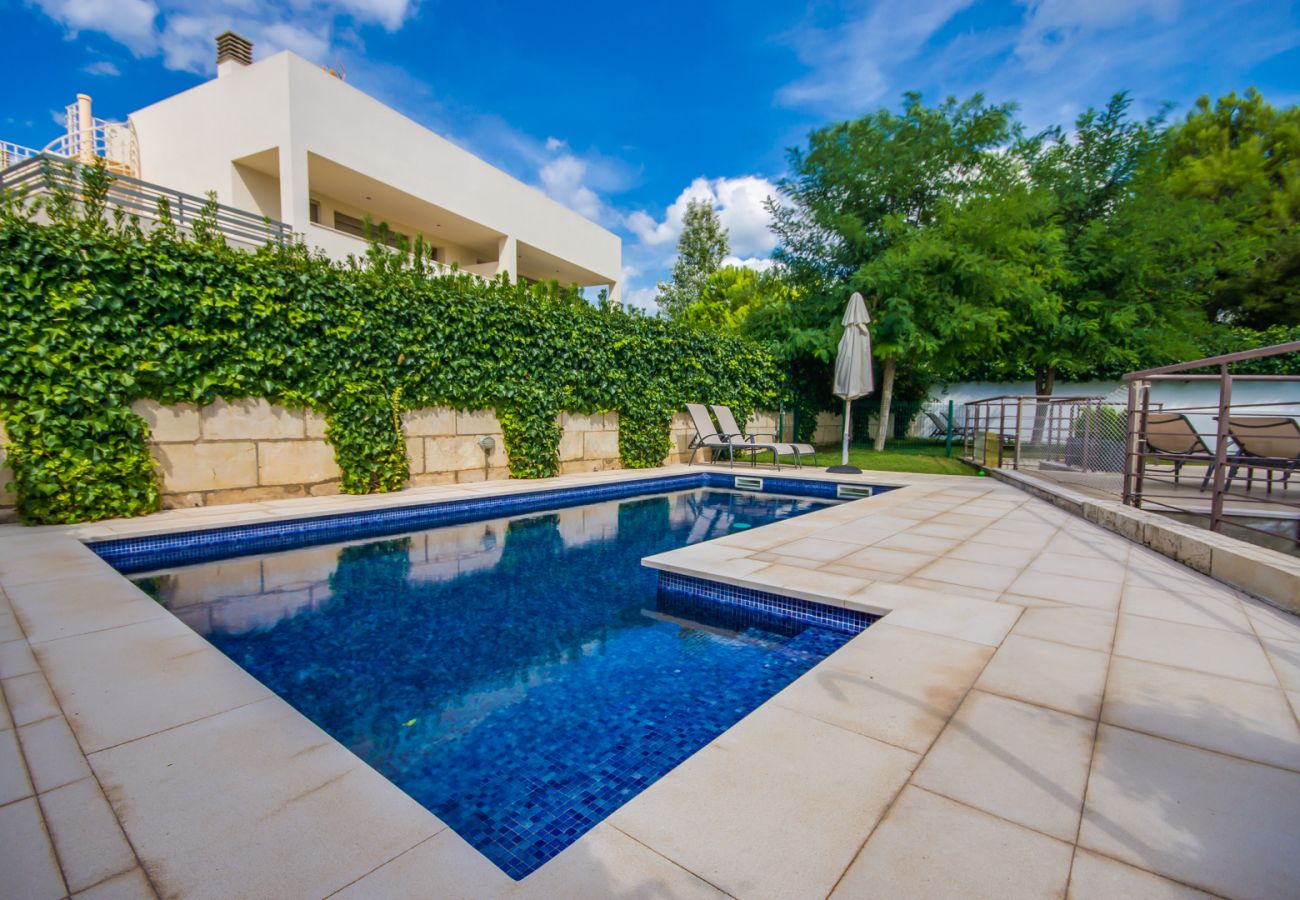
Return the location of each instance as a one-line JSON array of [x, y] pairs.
[[288, 106]]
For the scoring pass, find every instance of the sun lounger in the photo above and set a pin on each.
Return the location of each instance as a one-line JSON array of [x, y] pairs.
[[1173, 436], [708, 437], [727, 422]]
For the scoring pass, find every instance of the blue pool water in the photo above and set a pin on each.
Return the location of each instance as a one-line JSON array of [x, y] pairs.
[[521, 678]]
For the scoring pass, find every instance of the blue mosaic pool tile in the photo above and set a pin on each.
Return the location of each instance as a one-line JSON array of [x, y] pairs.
[[765, 606], [140, 554]]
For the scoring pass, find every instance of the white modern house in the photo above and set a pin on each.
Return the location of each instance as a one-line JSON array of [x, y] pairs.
[[284, 139]]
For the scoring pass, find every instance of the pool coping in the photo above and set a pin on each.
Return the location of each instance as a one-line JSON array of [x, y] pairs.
[[158, 714], [107, 650]]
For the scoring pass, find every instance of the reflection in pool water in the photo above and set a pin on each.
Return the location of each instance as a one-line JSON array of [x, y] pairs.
[[521, 678]]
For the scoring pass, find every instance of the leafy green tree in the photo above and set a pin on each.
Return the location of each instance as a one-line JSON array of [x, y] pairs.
[[700, 250], [1242, 156], [856, 214], [731, 294], [1134, 254]]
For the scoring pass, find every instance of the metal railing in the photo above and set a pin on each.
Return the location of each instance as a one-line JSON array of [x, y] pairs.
[[45, 173], [1078, 435], [1200, 462]]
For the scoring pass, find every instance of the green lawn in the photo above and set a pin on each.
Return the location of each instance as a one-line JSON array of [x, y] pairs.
[[910, 455]]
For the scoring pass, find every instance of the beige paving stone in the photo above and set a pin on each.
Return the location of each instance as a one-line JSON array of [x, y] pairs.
[[29, 698], [26, 858], [951, 615], [1285, 656], [1024, 763], [1195, 609], [304, 791], [30, 564], [928, 846], [52, 753], [939, 529], [894, 684], [1269, 621], [999, 537], [1193, 647], [966, 574], [1049, 563], [818, 549], [808, 584], [855, 572], [1070, 679], [1012, 557], [883, 559], [9, 630], [131, 885], [1092, 629], [917, 543], [6, 720], [81, 605], [87, 839], [1076, 590], [1201, 818], [602, 863], [125, 683], [1234, 717], [1096, 877], [14, 783], [945, 587], [830, 785], [1036, 602], [459, 871]]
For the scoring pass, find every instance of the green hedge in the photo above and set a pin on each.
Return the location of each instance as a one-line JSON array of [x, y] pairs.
[[97, 314]]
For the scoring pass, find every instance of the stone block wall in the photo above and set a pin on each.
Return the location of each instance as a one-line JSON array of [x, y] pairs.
[[233, 452], [250, 450]]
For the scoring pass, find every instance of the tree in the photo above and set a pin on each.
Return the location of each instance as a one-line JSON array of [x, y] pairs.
[[1242, 156], [700, 250], [859, 197], [731, 294], [1127, 246]]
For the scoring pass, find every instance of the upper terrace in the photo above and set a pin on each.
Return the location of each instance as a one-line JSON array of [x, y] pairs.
[[282, 138]]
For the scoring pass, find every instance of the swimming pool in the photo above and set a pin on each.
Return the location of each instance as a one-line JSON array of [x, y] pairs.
[[521, 677]]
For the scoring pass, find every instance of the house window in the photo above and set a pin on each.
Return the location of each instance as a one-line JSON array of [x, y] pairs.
[[378, 231], [313, 212], [349, 224]]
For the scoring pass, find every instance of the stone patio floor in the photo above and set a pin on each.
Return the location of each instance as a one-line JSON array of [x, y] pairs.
[[1045, 709]]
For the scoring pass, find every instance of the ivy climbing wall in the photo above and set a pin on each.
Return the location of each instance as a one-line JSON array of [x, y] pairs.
[[99, 316]]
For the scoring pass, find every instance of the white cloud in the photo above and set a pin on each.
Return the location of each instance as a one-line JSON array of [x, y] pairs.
[[129, 22], [564, 179], [850, 64], [757, 263], [739, 202], [182, 31], [1053, 27], [1059, 58], [102, 67]]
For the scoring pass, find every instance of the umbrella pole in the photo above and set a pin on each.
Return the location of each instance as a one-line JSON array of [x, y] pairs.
[[844, 452], [844, 466]]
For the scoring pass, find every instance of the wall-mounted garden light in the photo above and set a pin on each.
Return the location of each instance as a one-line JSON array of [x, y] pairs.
[[488, 443]]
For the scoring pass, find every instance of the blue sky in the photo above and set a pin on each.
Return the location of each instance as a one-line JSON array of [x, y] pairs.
[[625, 111]]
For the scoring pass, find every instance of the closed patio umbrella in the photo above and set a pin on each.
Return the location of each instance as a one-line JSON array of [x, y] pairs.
[[853, 368]]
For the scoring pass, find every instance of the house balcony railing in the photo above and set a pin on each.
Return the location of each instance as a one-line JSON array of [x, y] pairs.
[[45, 173]]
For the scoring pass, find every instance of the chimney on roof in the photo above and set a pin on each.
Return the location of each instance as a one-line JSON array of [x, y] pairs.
[[233, 50]]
